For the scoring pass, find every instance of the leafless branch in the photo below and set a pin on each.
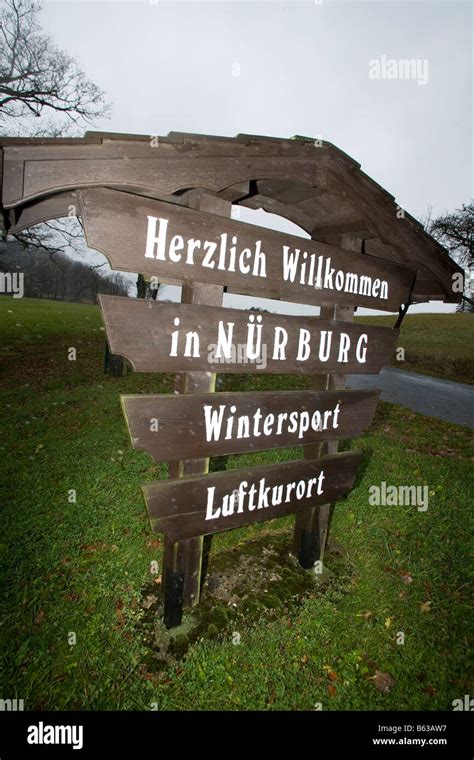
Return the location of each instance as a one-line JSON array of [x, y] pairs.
[[39, 80]]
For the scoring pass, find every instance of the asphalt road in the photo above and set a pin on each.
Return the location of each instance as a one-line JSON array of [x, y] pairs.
[[453, 402]]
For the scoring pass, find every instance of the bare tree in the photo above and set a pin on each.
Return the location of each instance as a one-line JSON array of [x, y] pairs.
[[59, 277], [37, 80], [455, 231], [43, 93]]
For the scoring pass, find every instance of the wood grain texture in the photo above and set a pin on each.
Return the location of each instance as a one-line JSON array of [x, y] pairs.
[[116, 224], [142, 332], [188, 554], [312, 526], [165, 169], [205, 504], [169, 426], [155, 168]]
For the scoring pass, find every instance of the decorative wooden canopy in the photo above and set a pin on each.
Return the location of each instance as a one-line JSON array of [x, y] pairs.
[[311, 183]]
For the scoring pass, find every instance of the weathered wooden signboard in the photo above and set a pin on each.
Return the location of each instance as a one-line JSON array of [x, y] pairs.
[[144, 235], [195, 246], [163, 337], [187, 507], [163, 209], [230, 423]]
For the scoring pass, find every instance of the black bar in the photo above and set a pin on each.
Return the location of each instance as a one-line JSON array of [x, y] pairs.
[[343, 734]]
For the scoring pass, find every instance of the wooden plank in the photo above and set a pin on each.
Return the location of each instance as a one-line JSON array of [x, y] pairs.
[[182, 564], [166, 168], [312, 526], [173, 573], [149, 333], [145, 235], [167, 426], [207, 504], [235, 192], [61, 205]]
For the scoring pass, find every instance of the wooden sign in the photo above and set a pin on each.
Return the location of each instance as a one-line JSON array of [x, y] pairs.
[[195, 506], [144, 235], [171, 427], [164, 337], [191, 241]]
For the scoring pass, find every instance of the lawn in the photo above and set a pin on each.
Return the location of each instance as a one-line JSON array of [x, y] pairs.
[[79, 576], [434, 344]]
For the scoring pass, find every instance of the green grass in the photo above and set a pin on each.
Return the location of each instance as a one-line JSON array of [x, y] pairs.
[[84, 568], [434, 344]]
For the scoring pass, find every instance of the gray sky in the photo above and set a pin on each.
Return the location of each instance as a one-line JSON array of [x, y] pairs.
[[286, 68]]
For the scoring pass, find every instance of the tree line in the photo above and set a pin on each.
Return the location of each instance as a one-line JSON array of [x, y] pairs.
[[58, 277]]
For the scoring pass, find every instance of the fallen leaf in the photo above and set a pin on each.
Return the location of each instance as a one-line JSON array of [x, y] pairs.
[[154, 543], [425, 607], [92, 548], [119, 612], [149, 601], [367, 615], [39, 617], [332, 691], [383, 681]]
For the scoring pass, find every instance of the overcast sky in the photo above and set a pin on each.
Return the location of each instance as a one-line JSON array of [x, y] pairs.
[[286, 68]]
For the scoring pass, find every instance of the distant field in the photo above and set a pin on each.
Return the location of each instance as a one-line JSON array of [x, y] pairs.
[[435, 344], [77, 609]]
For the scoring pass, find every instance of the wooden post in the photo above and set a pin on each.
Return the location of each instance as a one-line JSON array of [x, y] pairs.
[[182, 561], [312, 525], [113, 363]]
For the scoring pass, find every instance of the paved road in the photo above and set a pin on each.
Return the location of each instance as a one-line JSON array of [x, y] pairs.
[[444, 399]]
